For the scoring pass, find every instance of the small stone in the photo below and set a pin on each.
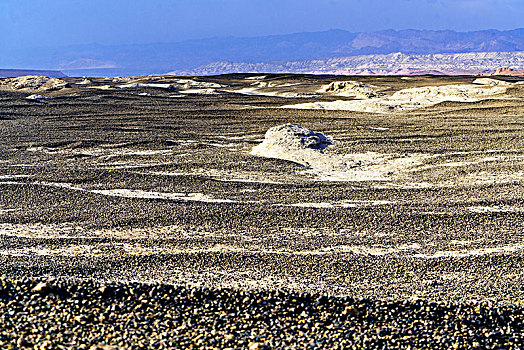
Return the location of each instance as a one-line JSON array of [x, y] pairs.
[[350, 310], [258, 346], [36, 97], [41, 287]]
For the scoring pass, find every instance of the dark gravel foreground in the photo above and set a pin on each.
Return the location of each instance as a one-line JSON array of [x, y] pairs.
[[59, 314]]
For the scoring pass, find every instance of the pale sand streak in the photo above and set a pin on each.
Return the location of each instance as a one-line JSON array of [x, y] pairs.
[[128, 193], [137, 249]]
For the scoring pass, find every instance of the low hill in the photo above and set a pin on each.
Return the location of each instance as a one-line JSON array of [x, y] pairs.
[[12, 73], [475, 63]]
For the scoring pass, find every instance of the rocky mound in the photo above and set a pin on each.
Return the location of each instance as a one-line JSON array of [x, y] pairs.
[[297, 144], [85, 81], [351, 89], [303, 146], [292, 137], [31, 83]]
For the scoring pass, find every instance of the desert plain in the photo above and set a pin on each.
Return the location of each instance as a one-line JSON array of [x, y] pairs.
[[262, 211]]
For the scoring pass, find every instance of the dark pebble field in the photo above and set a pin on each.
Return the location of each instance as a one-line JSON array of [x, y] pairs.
[[55, 314]]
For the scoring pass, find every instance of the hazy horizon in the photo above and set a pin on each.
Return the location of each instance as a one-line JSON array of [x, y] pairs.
[[266, 36]]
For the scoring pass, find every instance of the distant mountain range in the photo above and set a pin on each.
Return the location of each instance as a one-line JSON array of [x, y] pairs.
[[474, 63], [188, 55], [9, 73]]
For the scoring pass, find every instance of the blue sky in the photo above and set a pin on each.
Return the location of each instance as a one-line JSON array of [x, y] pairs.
[[29, 23]]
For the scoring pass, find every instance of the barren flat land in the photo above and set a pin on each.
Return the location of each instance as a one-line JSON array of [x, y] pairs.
[[262, 211]]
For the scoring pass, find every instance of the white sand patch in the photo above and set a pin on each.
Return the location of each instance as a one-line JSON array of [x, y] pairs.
[[340, 204], [138, 249], [258, 77], [220, 175], [130, 165], [138, 153], [458, 92], [491, 82], [409, 246], [484, 177], [63, 251], [39, 230], [495, 209], [412, 98], [256, 91], [472, 252], [73, 230], [101, 87], [435, 213], [464, 242], [130, 193], [264, 84], [192, 197], [459, 164], [8, 177], [301, 145], [122, 79], [288, 85], [46, 184], [146, 85], [85, 81], [22, 165], [364, 250], [369, 166], [235, 138], [408, 185], [105, 152], [351, 89], [200, 92], [193, 84], [220, 145], [375, 105]]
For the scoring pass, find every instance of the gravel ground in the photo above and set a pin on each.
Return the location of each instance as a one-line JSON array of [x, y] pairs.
[[57, 314], [105, 186]]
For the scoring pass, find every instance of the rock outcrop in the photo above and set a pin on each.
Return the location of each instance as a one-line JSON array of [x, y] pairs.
[[32, 83], [412, 98], [291, 137], [351, 88], [509, 71]]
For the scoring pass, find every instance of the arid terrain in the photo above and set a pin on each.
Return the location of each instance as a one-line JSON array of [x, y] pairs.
[[381, 193]]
